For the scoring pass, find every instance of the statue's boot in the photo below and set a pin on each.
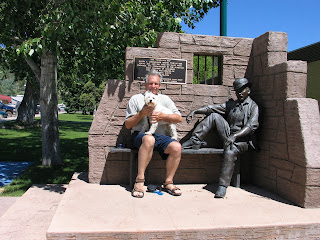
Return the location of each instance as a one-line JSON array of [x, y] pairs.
[[221, 192]]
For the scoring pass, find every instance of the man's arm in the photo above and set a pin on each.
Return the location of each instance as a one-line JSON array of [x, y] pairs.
[[170, 118], [135, 119], [251, 125]]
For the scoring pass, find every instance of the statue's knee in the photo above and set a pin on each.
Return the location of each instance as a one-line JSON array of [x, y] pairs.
[[230, 154]]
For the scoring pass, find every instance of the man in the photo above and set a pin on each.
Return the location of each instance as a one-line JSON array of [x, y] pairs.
[[235, 122], [168, 148]]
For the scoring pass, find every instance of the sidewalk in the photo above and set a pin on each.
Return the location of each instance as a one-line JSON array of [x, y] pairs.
[[91, 211], [28, 217]]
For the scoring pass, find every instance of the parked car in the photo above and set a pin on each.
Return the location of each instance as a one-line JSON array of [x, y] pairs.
[[37, 111], [7, 109], [3, 115]]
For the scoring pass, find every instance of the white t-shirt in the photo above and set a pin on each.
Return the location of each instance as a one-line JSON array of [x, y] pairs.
[[137, 102]]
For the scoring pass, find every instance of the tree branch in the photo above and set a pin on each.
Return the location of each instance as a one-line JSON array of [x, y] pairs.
[[34, 67]]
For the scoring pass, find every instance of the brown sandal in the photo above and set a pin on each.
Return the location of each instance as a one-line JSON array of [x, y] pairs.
[[137, 190], [171, 191]]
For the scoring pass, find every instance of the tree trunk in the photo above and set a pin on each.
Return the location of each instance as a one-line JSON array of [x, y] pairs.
[[49, 111], [26, 110]]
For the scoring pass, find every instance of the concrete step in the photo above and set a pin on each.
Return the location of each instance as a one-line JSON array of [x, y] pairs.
[[29, 216], [92, 211]]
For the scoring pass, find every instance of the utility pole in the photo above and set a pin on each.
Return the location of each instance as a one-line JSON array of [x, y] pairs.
[[223, 17]]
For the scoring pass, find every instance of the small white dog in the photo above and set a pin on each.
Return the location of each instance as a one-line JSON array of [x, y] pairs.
[[170, 128]]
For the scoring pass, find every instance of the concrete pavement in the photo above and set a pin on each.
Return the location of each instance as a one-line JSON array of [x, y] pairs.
[[90, 211]]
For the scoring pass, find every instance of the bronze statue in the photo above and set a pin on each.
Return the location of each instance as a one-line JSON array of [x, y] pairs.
[[235, 122]]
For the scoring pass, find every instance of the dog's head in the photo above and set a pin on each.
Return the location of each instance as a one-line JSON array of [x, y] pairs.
[[150, 99]]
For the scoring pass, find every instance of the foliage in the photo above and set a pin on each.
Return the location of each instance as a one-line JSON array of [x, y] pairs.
[[8, 85], [25, 145], [90, 37], [204, 67]]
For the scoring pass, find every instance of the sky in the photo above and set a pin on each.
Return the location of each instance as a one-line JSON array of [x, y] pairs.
[[300, 19]]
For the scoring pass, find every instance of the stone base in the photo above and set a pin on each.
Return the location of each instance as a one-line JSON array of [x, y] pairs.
[[92, 211]]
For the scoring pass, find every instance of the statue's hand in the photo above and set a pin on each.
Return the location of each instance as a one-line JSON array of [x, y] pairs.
[[190, 117], [230, 140]]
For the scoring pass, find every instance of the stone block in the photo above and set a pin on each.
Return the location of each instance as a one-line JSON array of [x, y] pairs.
[[302, 116], [296, 85], [276, 58], [278, 42], [257, 66], [262, 159], [228, 75], [190, 176], [240, 71], [235, 60], [297, 66], [268, 135], [207, 50], [260, 44], [264, 145], [271, 122], [168, 40], [243, 47], [219, 100], [279, 150], [132, 52], [282, 164], [96, 164], [186, 39], [189, 76], [272, 173], [279, 109], [312, 199], [117, 172], [280, 86], [281, 134], [230, 42], [102, 140], [206, 40], [299, 175], [182, 98], [204, 90], [291, 191], [189, 58]]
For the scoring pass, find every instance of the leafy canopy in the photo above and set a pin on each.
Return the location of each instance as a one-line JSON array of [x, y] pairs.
[[89, 37]]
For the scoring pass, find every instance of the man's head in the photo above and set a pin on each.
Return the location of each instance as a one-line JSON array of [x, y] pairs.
[[152, 81], [242, 88]]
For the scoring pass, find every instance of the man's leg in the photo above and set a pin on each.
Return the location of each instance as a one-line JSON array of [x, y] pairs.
[[144, 157], [172, 164]]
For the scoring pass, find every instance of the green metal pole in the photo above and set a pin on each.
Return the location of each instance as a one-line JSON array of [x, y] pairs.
[[223, 17]]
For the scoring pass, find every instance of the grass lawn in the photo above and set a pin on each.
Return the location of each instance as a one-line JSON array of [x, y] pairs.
[[18, 144]]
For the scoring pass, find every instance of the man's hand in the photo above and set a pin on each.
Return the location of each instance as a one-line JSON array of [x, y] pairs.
[[157, 116], [190, 117], [146, 110], [230, 140]]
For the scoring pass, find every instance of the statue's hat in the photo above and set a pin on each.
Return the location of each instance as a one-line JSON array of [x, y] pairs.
[[240, 83]]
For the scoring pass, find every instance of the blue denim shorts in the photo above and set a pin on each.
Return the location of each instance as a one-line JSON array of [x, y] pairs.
[[161, 142]]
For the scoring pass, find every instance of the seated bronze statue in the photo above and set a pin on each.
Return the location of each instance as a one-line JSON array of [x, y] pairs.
[[235, 122]]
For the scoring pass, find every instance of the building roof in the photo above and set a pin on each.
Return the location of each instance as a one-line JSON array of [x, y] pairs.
[[310, 53], [5, 98]]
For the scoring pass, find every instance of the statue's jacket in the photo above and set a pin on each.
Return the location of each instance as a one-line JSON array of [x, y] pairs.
[[250, 118]]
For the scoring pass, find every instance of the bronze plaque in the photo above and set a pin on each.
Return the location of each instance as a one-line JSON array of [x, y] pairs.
[[173, 70]]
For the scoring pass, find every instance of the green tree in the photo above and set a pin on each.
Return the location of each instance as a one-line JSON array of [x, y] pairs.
[[83, 37]]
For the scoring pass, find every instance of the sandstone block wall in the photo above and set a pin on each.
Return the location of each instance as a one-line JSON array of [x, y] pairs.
[[288, 162], [278, 87]]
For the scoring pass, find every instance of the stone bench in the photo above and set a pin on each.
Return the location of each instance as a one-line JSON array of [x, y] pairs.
[[202, 151]]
